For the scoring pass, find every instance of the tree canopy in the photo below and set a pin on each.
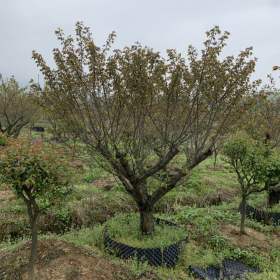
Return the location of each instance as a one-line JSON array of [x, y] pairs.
[[17, 108]]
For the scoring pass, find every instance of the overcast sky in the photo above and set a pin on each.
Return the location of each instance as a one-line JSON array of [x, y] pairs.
[[29, 24]]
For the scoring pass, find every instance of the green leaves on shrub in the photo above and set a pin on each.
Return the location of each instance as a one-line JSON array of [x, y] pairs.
[[35, 168]]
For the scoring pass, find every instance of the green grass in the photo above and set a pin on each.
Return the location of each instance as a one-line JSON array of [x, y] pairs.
[[94, 173], [125, 229], [85, 237], [260, 201], [276, 208], [207, 244]]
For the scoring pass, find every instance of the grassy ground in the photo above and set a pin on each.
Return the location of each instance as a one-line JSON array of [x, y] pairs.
[[164, 235], [205, 206]]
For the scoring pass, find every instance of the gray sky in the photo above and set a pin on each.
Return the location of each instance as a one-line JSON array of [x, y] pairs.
[[29, 24]]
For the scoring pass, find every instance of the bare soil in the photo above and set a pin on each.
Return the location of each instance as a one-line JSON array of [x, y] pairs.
[[252, 238], [104, 183], [61, 260], [6, 196]]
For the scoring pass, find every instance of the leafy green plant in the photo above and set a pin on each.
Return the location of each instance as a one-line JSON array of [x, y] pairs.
[[86, 236], [94, 173], [218, 242], [254, 165], [38, 175], [250, 257], [3, 140]]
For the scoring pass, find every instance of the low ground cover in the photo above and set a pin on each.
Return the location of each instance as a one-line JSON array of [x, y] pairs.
[[212, 229], [125, 229]]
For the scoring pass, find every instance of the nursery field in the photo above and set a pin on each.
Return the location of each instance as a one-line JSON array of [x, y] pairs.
[[131, 163], [71, 242]]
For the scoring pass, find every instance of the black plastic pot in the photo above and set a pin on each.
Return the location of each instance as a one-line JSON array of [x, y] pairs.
[[167, 256], [263, 216]]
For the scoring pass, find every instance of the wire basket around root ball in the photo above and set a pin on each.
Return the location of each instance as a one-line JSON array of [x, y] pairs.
[[167, 256]]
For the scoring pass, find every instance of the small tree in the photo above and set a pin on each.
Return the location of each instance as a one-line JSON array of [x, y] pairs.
[[263, 118], [263, 124], [272, 178], [253, 164], [137, 110], [38, 175], [17, 108]]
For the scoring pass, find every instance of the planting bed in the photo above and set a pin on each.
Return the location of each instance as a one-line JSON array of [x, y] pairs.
[[165, 255]]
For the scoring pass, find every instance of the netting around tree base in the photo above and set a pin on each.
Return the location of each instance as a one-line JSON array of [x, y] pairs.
[[230, 269], [263, 216], [167, 256]]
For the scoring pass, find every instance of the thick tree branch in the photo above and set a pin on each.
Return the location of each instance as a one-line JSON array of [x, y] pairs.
[[160, 192], [200, 158], [159, 165]]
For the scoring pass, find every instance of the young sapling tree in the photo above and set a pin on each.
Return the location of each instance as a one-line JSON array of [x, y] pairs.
[[39, 176], [254, 165]]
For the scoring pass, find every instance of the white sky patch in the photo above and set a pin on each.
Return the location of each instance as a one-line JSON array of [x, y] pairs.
[[160, 24]]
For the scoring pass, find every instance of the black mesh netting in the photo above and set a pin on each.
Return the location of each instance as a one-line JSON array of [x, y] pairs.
[[230, 269], [167, 256], [38, 128], [263, 216], [209, 273]]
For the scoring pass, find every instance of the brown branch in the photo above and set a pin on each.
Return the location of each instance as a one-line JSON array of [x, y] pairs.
[[160, 192], [173, 151], [200, 158]]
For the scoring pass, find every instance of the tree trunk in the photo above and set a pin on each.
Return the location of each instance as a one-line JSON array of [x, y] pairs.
[[146, 221], [243, 215], [33, 217], [215, 158]]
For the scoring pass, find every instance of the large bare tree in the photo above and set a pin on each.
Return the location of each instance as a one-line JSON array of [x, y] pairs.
[[17, 108], [138, 110]]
